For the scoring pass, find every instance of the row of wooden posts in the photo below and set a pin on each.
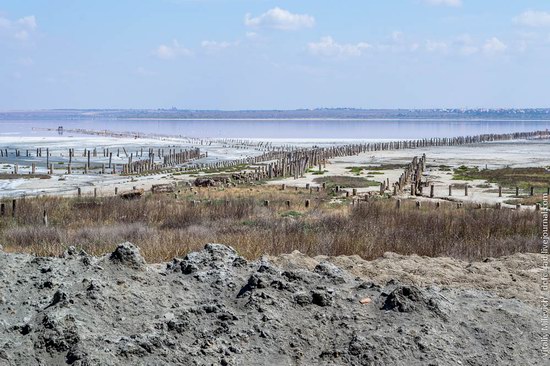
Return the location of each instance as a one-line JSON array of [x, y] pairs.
[[172, 158], [296, 162]]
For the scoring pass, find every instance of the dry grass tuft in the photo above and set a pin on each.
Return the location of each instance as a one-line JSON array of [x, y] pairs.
[[165, 227]]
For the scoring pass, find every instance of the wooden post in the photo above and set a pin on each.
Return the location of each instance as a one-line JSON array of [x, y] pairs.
[[307, 203], [532, 193], [466, 189], [450, 190], [116, 191], [45, 218], [517, 191], [354, 191], [437, 204], [432, 191], [500, 191], [283, 187], [95, 192], [398, 203], [2, 209], [79, 191], [33, 168], [13, 207], [413, 189]]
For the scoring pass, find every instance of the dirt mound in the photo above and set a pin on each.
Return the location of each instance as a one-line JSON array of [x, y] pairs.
[[214, 307]]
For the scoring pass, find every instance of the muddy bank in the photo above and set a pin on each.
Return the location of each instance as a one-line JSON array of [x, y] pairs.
[[215, 308]]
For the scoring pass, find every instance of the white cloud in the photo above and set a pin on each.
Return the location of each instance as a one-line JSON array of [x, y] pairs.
[[494, 45], [465, 45], [280, 19], [19, 29], [168, 52], [454, 3], [328, 47], [436, 46], [533, 18], [214, 46], [28, 22]]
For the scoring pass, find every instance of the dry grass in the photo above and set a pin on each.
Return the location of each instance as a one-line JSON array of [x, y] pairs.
[[165, 227]]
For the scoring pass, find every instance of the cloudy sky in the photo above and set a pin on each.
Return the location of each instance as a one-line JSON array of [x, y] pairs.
[[263, 54]]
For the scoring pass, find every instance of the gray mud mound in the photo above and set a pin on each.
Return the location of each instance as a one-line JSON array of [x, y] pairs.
[[215, 308]]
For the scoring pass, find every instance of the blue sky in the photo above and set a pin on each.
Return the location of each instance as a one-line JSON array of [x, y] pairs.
[[262, 54]]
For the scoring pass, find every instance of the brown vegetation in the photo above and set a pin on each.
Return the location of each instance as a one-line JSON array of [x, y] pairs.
[[166, 227]]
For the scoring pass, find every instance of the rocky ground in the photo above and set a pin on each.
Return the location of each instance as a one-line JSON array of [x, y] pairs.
[[215, 308]]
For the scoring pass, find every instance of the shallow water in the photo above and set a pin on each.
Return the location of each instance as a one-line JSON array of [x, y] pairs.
[[283, 129]]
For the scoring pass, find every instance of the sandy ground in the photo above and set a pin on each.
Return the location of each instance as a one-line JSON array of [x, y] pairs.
[[492, 155], [63, 184]]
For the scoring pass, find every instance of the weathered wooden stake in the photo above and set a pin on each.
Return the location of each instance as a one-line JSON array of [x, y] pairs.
[[307, 203], [450, 190], [432, 191], [45, 218], [500, 191], [466, 189]]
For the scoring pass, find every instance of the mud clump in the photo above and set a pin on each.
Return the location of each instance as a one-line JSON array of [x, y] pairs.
[[127, 254], [213, 307]]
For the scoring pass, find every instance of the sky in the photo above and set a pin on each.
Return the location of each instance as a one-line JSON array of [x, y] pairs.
[[263, 54]]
